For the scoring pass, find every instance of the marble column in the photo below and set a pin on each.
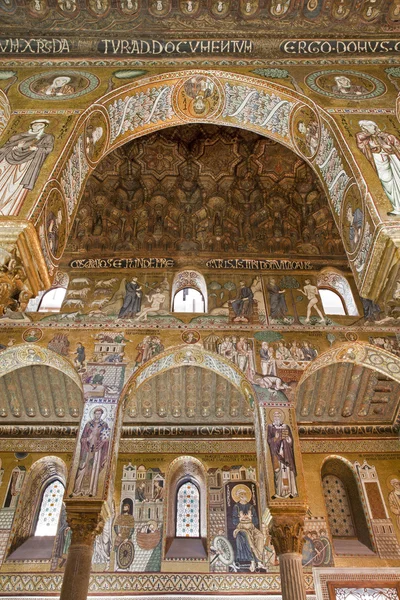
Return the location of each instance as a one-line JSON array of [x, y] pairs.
[[287, 538], [85, 526]]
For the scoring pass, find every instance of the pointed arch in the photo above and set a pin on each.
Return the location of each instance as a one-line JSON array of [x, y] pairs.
[[188, 355], [242, 101], [42, 472], [24, 355], [359, 353]]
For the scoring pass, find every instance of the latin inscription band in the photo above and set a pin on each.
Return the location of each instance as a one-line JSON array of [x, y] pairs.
[[339, 46], [121, 263], [263, 264]]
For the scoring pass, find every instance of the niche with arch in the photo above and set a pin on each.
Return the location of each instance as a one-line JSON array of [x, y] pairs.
[[346, 515], [186, 523], [36, 519]]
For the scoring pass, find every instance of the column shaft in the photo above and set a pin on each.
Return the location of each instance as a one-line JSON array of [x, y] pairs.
[[77, 572], [292, 578], [85, 525]]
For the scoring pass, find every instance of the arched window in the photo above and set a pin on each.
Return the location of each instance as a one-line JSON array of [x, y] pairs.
[[38, 510], [332, 303], [186, 507], [188, 510], [346, 516], [52, 300], [189, 292], [50, 508], [331, 280], [189, 300]]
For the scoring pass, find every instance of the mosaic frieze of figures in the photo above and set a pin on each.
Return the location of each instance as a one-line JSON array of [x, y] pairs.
[[281, 299], [340, 12]]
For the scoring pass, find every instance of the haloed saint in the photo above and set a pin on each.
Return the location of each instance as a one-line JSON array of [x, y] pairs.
[[21, 159]]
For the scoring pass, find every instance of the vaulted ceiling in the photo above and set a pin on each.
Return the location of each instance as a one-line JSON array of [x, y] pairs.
[[39, 394], [188, 395], [348, 393], [204, 189]]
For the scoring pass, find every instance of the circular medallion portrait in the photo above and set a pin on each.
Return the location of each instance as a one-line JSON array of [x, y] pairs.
[[352, 219], [55, 223], [306, 131], [96, 136], [351, 85], [191, 337], [198, 97], [59, 85], [351, 337], [33, 334]]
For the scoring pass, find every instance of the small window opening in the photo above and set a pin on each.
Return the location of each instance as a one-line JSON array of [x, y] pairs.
[[52, 300], [188, 511], [332, 303], [50, 509], [189, 300]]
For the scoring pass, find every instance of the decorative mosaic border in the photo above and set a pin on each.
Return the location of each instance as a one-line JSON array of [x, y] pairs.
[[323, 576], [149, 583], [135, 446], [322, 446], [174, 597]]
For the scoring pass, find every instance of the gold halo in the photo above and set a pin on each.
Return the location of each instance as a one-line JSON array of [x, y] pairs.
[[241, 488], [98, 407], [276, 410]]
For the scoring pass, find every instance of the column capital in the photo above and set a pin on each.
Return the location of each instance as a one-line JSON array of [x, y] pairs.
[[86, 520], [287, 534], [23, 271]]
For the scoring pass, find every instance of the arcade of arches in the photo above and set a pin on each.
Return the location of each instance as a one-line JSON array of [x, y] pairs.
[[199, 300]]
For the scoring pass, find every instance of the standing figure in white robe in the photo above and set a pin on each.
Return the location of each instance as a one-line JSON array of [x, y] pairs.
[[383, 152], [21, 159]]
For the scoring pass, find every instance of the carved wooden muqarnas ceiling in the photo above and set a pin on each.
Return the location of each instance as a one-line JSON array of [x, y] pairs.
[[204, 189]]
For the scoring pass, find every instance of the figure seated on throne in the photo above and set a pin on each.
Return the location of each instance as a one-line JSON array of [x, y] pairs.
[[244, 307]]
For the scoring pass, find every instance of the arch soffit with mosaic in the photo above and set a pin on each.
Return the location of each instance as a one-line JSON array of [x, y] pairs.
[[193, 356], [155, 103], [41, 472], [359, 353], [27, 355], [5, 111]]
